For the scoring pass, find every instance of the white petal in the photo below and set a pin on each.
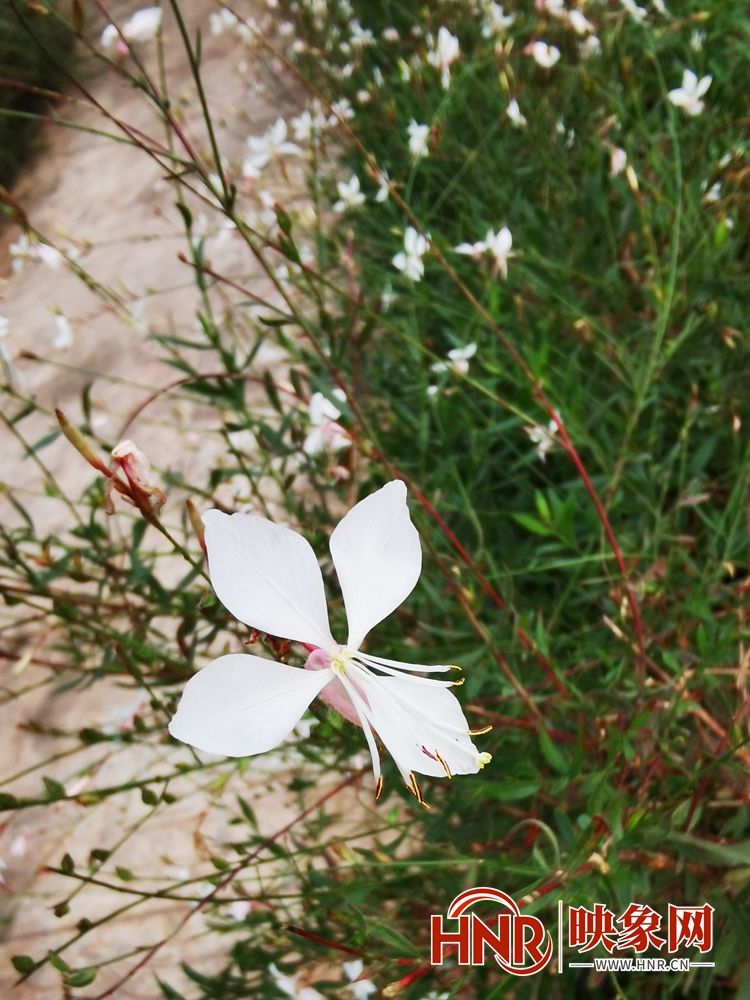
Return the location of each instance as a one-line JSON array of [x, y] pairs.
[[241, 704], [378, 558], [703, 84], [267, 576], [416, 722]]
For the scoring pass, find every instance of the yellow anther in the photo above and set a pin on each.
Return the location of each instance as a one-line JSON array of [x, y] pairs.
[[480, 732], [483, 758], [444, 765]]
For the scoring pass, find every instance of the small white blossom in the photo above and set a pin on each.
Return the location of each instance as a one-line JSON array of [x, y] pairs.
[[350, 194], [542, 437], [409, 260], [457, 360], [543, 54], [514, 113], [499, 246], [474, 250], [273, 144], [496, 21], [418, 136], [142, 26], [689, 96], [289, 986], [590, 46], [697, 38], [618, 160], [383, 190], [326, 433], [64, 335], [360, 989], [443, 54], [580, 23], [636, 12]]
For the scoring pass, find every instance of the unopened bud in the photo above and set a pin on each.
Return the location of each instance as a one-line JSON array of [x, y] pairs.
[[144, 492]]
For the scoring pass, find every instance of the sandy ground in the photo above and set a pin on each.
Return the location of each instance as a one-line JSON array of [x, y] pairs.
[[112, 205]]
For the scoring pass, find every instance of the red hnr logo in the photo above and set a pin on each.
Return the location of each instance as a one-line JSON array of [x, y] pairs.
[[520, 943]]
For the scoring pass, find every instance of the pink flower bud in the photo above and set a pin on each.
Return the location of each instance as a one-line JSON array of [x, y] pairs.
[[144, 492]]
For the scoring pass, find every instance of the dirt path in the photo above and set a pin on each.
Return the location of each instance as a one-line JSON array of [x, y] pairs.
[[109, 205]]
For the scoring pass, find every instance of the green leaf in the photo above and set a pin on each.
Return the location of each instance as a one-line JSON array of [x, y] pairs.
[[82, 977], [54, 789], [532, 524], [23, 964]]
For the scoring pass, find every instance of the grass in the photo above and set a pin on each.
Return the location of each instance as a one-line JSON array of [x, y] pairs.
[[605, 640]]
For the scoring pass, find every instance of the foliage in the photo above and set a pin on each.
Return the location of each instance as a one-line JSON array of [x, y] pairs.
[[35, 52]]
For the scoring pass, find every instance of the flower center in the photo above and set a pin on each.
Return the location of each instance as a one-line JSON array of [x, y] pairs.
[[342, 661]]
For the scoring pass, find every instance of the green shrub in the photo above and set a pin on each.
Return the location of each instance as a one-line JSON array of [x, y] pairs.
[[35, 48]]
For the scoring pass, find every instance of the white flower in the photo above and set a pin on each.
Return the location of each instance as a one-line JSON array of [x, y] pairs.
[[443, 54], [142, 26], [543, 438], [688, 96], [390, 35], [341, 110], [360, 989], [697, 38], [273, 144], [543, 54], [64, 336], [636, 12], [383, 190], [579, 22], [267, 576], [458, 360], [590, 46], [326, 434], [474, 250], [496, 20], [660, 7], [618, 160], [49, 255], [514, 113], [713, 194], [350, 194], [499, 246], [409, 260], [288, 985], [418, 136]]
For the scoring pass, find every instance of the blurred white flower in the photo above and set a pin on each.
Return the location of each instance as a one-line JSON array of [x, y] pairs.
[[239, 909], [579, 22], [409, 261], [474, 250], [636, 12], [499, 246], [697, 38], [713, 194], [326, 434], [418, 136], [688, 96], [273, 144], [542, 437], [49, 255], [543, 54], [457, 361], [590, 46], [390, 35], [360, 989], [350, 194], [288, 985], [383, 191], [341, 110], [514, 113], [660, 7], [443, 54], [64, 335], [496, 20], [618, 160], [142, 26]]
